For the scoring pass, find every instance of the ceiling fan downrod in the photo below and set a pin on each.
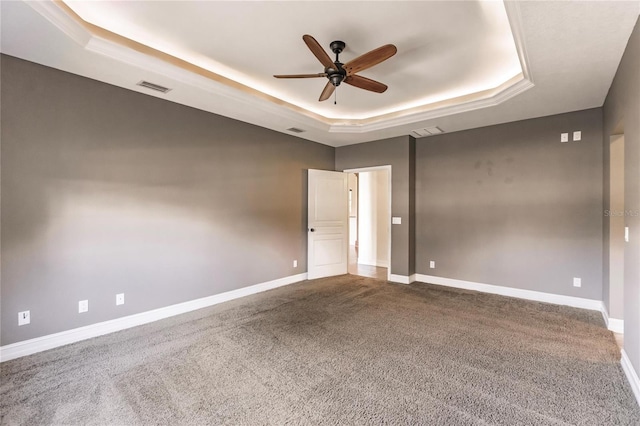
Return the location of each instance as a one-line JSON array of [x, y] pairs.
[[336, 74]]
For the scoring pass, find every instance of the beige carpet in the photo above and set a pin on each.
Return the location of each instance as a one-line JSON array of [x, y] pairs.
[[345, 350]]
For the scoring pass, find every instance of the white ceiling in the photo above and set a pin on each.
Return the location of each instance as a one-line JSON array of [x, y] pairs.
[[436, 60], [568, 50]]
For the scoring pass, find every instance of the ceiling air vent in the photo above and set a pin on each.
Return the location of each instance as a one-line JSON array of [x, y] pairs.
[[296, 130], [429, 131], [153, 86]]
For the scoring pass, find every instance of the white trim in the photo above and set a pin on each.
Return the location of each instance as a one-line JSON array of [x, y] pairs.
[[402, 279], [62, 20], [613, 324], [39, 344], [631, 374], [373, 262], [505, 92], [515, 22], [576, 302], [616, 325]]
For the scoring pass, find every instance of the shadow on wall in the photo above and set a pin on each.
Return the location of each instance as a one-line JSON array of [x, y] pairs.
[[114, 189], [169, 204]]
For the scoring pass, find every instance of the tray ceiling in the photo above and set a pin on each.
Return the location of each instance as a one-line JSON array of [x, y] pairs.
[[459, 64]]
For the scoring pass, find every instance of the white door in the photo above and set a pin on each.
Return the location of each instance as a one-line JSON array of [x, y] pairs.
[[327, 224]]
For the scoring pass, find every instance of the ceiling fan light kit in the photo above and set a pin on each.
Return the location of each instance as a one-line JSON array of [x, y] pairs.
[[337, 72]]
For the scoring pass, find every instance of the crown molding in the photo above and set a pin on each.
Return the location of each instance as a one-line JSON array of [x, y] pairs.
[[117, 47], [515, 21], [480, 100], [61, 19]]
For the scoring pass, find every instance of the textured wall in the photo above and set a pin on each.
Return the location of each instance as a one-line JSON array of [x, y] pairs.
[[106, 191], [622, 115], [395, 152], [510, 205]]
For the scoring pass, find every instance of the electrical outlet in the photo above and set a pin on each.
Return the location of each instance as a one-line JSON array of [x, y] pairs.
[[120, 299], [577, 135], [83, 306], [24, 317], [432, 264], [564, 137], [577, 282], [295, 263]]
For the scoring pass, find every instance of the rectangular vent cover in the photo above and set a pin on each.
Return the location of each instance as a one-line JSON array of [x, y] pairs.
[[429, 131], [153, 86], [295, 130]]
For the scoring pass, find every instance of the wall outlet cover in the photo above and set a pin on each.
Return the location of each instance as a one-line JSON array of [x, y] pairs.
[[24, 317], [564, 137], [432, 264], [577, 282], [396, 220], [577, 135], [295, 263], [120, 299], [83, 306]]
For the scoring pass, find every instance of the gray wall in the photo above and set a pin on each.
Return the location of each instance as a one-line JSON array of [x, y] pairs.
[[105, 190], [399, 153], [622, 114], [510, 205]]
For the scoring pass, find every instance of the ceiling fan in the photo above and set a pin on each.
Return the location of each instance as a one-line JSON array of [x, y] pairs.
[[337, 72]]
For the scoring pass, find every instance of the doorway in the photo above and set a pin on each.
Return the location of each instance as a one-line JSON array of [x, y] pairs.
[[370, 222]]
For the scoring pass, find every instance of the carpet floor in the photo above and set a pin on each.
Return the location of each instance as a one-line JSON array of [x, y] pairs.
[[343, 350]]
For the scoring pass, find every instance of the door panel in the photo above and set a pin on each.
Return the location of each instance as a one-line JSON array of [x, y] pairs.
[[328, 230]]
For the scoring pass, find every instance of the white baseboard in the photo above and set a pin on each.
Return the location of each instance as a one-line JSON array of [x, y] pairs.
[[613, 324], [631, 374], [39, 344], [402, 279], [373, 262], [616, 325], [576, 302]]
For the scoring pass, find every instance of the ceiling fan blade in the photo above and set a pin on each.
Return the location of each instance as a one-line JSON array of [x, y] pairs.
[[318, 51], [327, 91], [370, 59], [300, 75], [365, 83]]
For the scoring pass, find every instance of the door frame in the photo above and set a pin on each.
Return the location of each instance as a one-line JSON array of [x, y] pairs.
[[616, 262], [375, 169]]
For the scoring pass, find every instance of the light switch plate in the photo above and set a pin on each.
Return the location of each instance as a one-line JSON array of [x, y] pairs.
[[577, 135], [626, 234], [120, 299], [396, 220], [564, 137]]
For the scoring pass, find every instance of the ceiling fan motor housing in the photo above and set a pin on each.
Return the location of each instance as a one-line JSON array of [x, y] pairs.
[[336, 75]]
